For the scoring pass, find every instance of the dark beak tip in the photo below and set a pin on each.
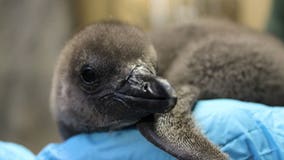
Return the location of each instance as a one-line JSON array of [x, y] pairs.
[[173, 102], [164, 89]]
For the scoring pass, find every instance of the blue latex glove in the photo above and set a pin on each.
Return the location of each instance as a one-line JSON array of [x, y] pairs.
[[119, 145], [12, 151], [243, 130]]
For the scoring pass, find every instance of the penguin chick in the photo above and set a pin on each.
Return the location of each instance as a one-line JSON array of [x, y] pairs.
[[207, 59], [223, 60], [105, 79]]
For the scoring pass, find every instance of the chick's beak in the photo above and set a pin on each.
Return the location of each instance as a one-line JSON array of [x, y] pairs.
[[147, 92]]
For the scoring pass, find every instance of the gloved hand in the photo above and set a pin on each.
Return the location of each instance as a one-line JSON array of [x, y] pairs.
[[12, 151], [126, 144], [241, 129]]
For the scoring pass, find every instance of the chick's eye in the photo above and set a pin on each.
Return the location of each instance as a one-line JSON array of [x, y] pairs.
[[88, 75]]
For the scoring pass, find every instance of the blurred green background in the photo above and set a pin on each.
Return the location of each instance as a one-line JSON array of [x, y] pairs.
[[32, 33]]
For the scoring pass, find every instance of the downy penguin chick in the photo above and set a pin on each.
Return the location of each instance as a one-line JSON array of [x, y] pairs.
[[105, 79], [212, 59], [223, 60]]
